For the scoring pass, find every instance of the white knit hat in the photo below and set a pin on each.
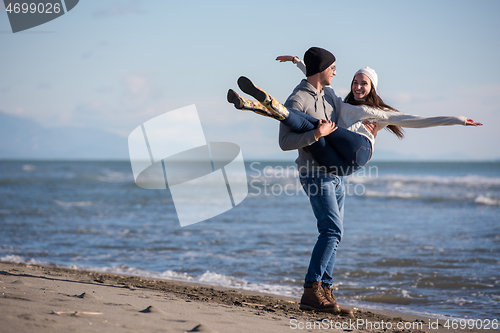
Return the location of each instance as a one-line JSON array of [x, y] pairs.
[[372, 75]]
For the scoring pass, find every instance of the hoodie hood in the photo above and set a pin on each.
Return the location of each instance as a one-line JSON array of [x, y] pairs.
[[307, 87], [320, 102]]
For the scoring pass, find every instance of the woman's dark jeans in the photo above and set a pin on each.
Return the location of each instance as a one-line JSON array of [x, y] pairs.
[[341, 152]]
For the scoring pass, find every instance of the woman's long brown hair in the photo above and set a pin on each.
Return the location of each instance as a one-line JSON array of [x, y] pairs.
[[374, 100]]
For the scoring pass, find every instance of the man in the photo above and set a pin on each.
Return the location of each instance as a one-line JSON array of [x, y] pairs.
[[326, 192]]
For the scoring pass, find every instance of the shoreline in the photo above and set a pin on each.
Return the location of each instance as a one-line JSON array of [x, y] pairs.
[[62, 299], [376, 307]]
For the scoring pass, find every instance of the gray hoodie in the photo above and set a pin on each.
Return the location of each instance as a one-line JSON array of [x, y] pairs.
[[309, 100]]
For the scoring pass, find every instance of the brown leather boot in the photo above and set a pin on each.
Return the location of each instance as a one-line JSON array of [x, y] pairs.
[[331, 298], [314, 299]]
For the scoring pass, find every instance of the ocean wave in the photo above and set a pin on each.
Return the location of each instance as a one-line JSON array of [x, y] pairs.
[[401, 180], [72, 203], [479, 199], [20, 260], [115, 177], [403, 299], [391, 194], [485, 200], [29, 167], [207, 278]]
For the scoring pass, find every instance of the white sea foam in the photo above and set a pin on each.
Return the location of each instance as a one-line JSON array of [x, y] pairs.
[[472, 189], [399, 180], [29, 167], [115, 177], [12, 258], [391, 194], [208, 278], [73, 203], [20, 260], [485, 200]]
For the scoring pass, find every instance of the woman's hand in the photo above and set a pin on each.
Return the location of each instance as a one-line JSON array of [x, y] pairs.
[[286, 58], [324, 128], [371, 127], [470, 122]]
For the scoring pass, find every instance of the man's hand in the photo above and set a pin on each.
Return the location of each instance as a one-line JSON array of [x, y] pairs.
[[371, 127], [470, 122], [285, 58], [324, 128]]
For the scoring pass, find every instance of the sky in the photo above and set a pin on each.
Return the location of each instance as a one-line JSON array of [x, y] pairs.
[[114, 64]]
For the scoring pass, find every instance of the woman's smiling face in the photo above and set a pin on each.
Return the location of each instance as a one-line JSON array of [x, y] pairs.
[[361, 86]]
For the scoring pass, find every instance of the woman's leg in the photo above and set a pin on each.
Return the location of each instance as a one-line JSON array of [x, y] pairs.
[[242, 103], [297, 121], [342, 152]]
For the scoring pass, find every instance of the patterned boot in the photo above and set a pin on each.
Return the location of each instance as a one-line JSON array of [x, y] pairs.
[[276, 108], [242, 103], [331, 298]]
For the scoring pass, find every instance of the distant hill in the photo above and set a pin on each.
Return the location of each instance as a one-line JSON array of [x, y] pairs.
[[26, 139]]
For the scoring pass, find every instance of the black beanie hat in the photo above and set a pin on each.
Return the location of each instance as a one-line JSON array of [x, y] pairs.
[[317, 60]]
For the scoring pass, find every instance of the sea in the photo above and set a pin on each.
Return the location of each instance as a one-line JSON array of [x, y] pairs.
[[420, 237]]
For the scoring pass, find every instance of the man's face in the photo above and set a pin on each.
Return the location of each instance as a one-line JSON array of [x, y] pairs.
[[326, 76]]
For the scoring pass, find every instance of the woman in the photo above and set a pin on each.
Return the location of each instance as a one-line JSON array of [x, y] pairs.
[[350, 146]]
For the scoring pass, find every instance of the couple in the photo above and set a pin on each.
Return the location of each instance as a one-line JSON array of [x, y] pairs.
[[328, 152]]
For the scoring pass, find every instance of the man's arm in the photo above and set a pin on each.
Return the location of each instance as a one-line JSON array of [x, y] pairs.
[[290, 140]]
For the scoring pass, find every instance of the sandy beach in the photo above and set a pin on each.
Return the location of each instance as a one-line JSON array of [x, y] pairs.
[[49, 299]]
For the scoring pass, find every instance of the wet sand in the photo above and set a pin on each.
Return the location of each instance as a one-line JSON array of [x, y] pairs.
[[49, 299]]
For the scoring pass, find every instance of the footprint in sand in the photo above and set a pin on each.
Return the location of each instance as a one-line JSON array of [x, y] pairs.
[[201, 328], [83, 295], [152, 309], [198, 328], [18, 282]]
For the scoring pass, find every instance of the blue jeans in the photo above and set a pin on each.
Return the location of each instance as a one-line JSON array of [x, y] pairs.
[[342, 152], [326, 194]]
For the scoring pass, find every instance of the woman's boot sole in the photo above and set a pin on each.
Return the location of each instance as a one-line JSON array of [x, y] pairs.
[[233, 98], [248, 87]]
